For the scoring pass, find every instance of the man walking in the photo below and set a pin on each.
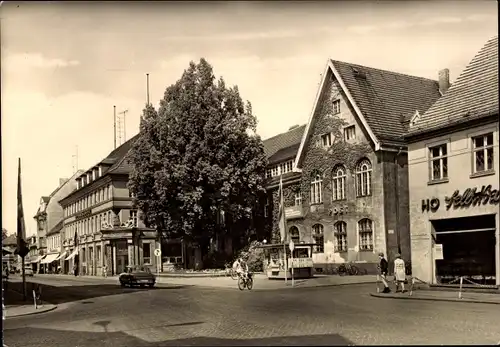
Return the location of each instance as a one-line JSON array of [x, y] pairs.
[[399, 273], [384, 269]]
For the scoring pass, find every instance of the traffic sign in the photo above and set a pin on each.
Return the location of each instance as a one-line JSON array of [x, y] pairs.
[[157, 252], [291, 245]]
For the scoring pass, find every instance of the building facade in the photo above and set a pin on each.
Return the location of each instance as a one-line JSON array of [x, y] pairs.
[[454, 179], [102, 229], [345, 173], [50, 214]]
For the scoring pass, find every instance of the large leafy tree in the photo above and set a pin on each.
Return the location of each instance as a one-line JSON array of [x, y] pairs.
[[196, 156]]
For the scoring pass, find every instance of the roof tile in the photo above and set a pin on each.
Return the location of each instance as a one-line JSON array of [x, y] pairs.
[[473, 95], [284, 140]]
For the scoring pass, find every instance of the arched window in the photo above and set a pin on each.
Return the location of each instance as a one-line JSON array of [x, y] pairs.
[[364, 178], [338, 183], [294, 234], [365, 229], [316, 187], [319, 240], [340, 233]]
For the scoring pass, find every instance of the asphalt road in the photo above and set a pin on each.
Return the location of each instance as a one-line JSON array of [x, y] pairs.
[[93, 314]]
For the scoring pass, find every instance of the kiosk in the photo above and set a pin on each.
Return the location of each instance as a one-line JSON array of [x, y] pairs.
[[278, 265]]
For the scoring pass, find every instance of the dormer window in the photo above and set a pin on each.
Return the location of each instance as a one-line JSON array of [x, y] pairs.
[[78, 184], [99, 173], [415, 119], [93, 175]]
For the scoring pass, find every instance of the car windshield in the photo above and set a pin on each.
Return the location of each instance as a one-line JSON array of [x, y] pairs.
[[138, 269]]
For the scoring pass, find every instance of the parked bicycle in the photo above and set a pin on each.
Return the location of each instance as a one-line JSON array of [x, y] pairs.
[[245, 280], [231, 272], [350, 270]]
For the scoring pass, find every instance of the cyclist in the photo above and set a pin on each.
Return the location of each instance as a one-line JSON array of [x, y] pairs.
[[242, 268]]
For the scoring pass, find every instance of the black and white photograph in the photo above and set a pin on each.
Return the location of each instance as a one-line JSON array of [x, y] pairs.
[[250, 173]]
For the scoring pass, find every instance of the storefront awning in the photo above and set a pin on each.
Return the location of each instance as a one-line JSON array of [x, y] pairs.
[[36, 259], [49, 258], [62, 255], [72, 255]]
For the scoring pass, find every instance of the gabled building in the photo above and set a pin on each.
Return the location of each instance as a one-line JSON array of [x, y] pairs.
[[50, 214], [454, 179], [347, 190], [99, 215]]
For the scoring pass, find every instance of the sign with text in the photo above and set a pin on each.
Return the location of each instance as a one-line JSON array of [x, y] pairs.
[[300, 262], [470, 197], [84, 214], [438, 252]]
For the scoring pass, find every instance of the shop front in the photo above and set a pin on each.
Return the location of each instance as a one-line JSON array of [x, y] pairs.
[[456, 236]]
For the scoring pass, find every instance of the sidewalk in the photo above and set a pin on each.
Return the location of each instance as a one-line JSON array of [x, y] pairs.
[[442, 295], [15, 306]]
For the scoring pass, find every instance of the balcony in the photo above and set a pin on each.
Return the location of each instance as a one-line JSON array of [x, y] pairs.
[[294, 212]]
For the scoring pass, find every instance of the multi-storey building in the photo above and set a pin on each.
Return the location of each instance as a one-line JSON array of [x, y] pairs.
[[347, 191], [454, 179], [50, 214], [53, 246], [99, 216]]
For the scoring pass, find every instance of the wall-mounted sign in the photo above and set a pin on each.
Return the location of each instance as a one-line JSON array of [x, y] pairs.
[[438, 252], [338, 210], [470, 197], [300, 263], [84, 214]]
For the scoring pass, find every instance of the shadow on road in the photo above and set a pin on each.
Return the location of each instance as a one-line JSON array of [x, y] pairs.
[[59, 295], [27, 337]]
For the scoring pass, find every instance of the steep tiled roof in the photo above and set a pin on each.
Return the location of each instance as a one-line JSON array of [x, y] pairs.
[[281, 141], [120, 155], [10, 240], [57, 228], [473, 95], [284, 154], [384, 96]]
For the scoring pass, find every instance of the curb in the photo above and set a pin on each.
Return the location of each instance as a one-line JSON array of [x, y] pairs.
[[376, 295], [44, 310]]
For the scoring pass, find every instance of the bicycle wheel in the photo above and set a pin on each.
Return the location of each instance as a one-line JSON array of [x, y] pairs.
[[341, 270], [234, 275], [250, 284], [354, 271], [241, 284]]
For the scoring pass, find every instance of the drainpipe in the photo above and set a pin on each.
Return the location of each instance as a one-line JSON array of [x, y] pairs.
[[396, 188]]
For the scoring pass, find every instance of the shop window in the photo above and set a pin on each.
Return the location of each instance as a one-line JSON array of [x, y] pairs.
[[318, 237], [338, 183], [316, 189], [146, 253], [364, 178], [340, 234], [482, 153], [294, 234], [438, 162], [365, 228]]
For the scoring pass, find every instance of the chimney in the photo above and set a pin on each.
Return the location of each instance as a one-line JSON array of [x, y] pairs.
[[444, 81], [62, 181]]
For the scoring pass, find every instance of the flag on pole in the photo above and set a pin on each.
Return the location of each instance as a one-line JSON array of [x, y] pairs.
[[281, 215], [21, 248]]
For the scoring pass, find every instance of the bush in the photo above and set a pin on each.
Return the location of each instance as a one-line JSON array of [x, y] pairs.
[[253, 256]]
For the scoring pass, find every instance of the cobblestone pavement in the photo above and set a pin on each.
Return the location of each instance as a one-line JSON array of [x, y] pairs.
[[112, 316]]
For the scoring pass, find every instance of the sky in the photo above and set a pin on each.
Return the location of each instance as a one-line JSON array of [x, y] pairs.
[[64, 66]]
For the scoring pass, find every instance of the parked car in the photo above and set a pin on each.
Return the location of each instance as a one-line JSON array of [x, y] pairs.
[[137, 276]]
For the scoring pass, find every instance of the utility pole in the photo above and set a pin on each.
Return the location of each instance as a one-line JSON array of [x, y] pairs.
[[147, 89], [114, 125], [124, 114]]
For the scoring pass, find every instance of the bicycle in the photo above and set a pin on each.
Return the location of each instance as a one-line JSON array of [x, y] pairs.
[[245, 281], [348, 269], [231, 272]]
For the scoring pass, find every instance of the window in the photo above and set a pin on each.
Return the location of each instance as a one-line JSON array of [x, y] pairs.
[[363, 178], [110, 191], [336, 106], [438, 162], [93, 175], [350, 133], [338, 183], [326, 140], [318, 237], [340, 234], [268, 173], [286, 166], [146, 253], [482, 147], [316, 186], [133, 217], [266, 208], [98, 255], [100, 171], [294, 234], [298, 199], [365, 228]]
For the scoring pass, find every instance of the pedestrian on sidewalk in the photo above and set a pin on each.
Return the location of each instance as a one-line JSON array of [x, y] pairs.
[[399, 273], [105, 271], [75, 270], [384, 269]]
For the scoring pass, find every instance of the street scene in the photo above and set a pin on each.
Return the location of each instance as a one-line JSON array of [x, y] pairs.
[[205, 173]]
